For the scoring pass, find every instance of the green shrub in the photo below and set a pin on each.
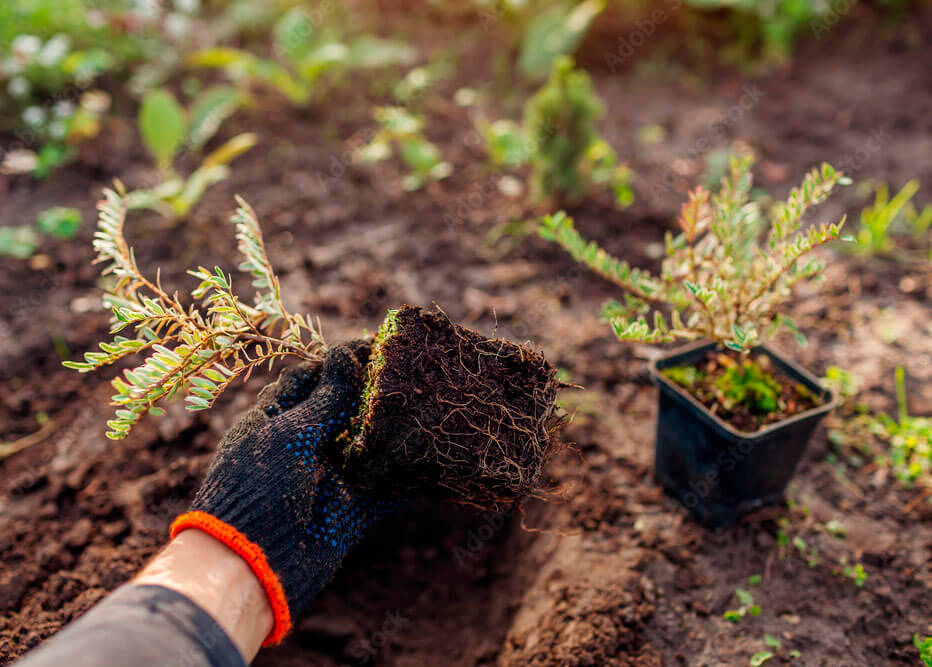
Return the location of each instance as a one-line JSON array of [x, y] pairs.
[[720, 280], [562, 143]]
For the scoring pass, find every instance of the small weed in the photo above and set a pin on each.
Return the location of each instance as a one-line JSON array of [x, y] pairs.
[[746, 600], [167, 129], [402, 130], [890, 222], [854, 571], [836, 529], [21, 241], [906, 441], [311, 57]]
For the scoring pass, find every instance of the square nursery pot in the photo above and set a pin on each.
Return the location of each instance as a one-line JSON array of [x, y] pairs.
[[716, 471]]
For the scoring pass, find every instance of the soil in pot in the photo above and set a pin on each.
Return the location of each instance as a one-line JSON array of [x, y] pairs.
[[452, 415], [745, 392]]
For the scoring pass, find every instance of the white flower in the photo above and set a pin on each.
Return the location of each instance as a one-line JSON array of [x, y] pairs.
[[54, 50], [24, 47], [34, 116], [147, 10], [177, 26], [58, 129], [64, 109], [18, 87], [188, 6]]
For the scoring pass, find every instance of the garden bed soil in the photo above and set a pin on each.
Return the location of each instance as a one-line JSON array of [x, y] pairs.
[[615, 575], [704, 382]]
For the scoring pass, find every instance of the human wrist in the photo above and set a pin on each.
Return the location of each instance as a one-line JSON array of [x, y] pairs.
[[220, 582]]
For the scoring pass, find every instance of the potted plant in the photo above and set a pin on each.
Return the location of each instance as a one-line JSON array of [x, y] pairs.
[[734, 415]]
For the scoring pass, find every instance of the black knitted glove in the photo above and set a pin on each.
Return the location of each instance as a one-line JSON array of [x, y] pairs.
[[273, 497]]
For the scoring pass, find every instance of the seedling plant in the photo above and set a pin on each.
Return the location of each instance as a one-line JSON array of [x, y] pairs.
[[60, 222], [402, 130], [559, 140], [726, 278], [489, 449], [167, 129]]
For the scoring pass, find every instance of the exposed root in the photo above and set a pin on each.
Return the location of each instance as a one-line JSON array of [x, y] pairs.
[[453, 415]]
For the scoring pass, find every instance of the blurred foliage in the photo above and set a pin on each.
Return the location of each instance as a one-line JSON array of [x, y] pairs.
[[21, 241], [892, 226], [560, 141], [167, 129], [402, 130], [902, 444], [553, 33], [924, 646], [307, 53]]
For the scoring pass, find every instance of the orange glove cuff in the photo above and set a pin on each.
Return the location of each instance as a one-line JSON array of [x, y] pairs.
[[255, 559]]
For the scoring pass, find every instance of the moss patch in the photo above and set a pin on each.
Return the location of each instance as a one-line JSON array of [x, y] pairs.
[[389, 327]]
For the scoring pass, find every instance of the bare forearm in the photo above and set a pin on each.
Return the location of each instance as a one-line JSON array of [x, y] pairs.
[[219, 582], [197, 604]]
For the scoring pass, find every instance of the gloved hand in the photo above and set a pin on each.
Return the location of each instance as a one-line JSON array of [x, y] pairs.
[[273, 497]]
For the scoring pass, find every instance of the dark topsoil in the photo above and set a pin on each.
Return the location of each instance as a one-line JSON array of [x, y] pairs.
[[619, 574]]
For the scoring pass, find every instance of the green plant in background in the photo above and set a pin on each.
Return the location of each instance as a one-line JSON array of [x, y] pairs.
[[560, 122], [307, 54], [888, 217], [21, 241], [746, 600], [906, 440], [553, 33], [559, 140], [924, 646], [719, 281], [167, 129], [198, 349], [767, 29], [52, 53], [402, 129]]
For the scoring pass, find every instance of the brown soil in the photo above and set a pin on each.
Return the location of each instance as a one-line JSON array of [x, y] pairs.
[[453, 415], [620, 575], [706, 386]]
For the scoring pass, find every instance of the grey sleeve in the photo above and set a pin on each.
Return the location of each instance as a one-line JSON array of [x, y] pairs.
[[140, 626]]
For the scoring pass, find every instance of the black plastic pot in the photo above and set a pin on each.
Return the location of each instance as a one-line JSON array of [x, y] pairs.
[[716, 471]]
